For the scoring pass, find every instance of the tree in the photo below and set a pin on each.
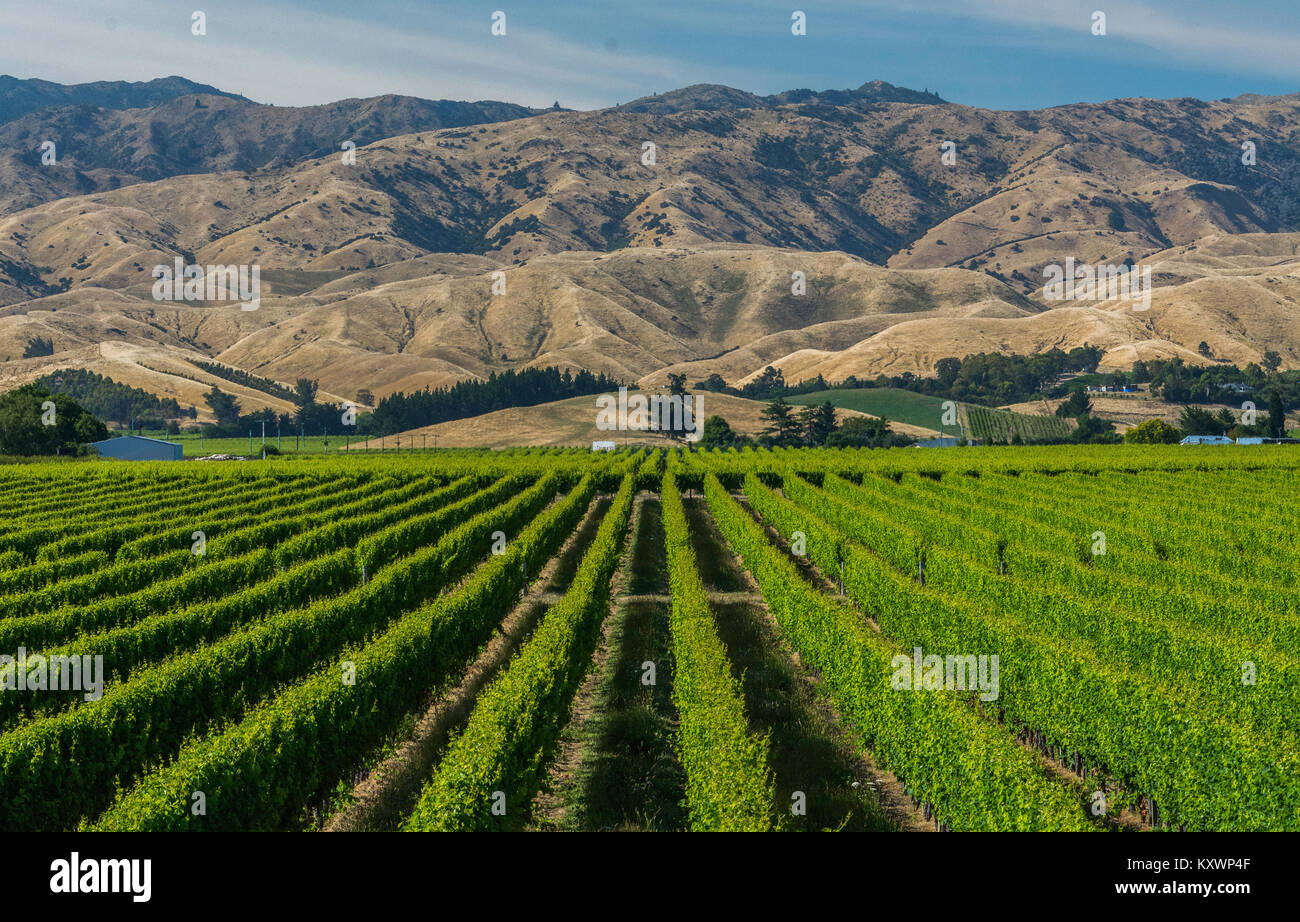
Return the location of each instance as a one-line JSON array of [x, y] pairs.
[[865, 432], [717, 433], [304, 400], [676, 385], [806, 416], [770, 382], [782, 428], [1271, 361], [714, 383], [1204, 349], [1199, 421], [1152, 432], [88, 429], [1076, 405], [35, 422], [1276, 415], [947, 371], [224, 407], [820, 424], [1093, 429], [37, 347]]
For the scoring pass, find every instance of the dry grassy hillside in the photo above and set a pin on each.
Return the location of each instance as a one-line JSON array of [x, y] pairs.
[[573, 422], [104, 148], [641, 313], [1110, 181], [379, 275]]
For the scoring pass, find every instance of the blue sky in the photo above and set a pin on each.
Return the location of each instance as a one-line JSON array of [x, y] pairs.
[[1005, 54]]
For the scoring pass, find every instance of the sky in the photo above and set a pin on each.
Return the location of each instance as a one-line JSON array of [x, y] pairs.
[[999, 54]]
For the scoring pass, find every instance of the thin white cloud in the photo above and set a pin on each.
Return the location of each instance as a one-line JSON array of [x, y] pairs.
[[279, 53], [290, 58], [1210, 36]]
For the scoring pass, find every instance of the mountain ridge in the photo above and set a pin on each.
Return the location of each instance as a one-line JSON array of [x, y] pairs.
[[379, 274]]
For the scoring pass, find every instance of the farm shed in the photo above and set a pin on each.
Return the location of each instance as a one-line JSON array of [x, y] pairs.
[[139, 448]]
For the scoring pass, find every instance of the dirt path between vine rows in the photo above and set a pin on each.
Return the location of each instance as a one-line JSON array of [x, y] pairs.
[[390, 790]]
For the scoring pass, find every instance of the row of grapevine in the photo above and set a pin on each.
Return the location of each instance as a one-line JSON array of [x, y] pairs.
[[517, 719], [1003, 539], [971, 771], [1195, 665], [258, 772], [728, 784], [146, 718], [1001, 426], [1203, 772], [1200, 543]]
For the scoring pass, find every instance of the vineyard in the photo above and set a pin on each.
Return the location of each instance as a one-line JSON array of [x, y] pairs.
[[999, 427], [1081, 638]]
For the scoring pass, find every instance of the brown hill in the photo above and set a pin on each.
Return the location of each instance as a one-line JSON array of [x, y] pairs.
[[641, 313], [379, 275], [100, 148], [1101, 182]]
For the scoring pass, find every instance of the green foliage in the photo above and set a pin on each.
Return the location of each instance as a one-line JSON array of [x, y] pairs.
[[108, 400], [782, 428], [225, 669], [1076, 405], [1152, 432], [1198, 421], [34, 422], [224, 407], [717, 434], [38, 346], [1094, 430], [517, 720], [975, 776], [714, 384], [307, 738], [728, 784]]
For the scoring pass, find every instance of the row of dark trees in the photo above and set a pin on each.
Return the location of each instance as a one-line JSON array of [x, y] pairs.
[[524, 388], [112, 401], [984, 377], [308, 416], [810, 426], [995, 379]]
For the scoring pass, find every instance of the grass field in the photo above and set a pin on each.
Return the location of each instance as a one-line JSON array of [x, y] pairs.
[[197, 447], [974, 421], [892, 403], [1076, 638]]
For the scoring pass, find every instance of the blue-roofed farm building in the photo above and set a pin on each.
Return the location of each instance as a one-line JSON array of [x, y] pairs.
[[139, 448]]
